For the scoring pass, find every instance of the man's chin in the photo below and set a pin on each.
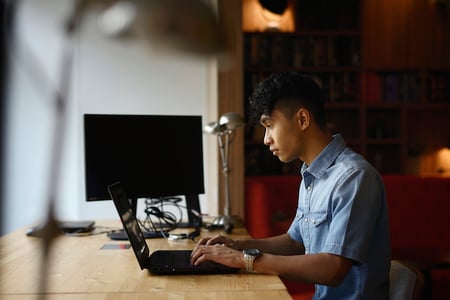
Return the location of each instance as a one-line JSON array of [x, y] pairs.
[[286, 160]]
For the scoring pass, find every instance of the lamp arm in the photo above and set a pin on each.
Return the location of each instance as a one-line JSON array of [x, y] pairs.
[[50, 228], [225, 131], [226, 173], [223, 156], [223, 140], [226, 150], [232, 134]]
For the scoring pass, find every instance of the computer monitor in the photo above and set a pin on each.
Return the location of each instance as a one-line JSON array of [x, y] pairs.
[[152, 155]]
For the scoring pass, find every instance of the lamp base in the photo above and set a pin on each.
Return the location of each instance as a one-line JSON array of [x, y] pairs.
[[227, 220]]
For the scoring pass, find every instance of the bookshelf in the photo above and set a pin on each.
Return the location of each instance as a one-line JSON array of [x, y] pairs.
[[328, 48], [391, 110]]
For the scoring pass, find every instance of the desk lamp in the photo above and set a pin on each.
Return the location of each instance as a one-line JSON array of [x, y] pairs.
[[225, 130], [272, 11]]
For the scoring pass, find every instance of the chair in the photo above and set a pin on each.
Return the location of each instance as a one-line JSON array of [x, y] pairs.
[[406, 282]]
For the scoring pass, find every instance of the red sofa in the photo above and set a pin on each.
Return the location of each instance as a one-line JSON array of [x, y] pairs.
[[419, 212]]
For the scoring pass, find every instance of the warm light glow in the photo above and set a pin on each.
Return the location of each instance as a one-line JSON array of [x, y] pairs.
[[253, 19], [443, 160], [435, 162], [272, 20]]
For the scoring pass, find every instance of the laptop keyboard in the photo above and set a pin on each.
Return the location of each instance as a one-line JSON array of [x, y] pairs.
[[178, 262]]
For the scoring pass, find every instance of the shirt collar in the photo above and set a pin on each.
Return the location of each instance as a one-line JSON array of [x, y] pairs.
[[326, 158]]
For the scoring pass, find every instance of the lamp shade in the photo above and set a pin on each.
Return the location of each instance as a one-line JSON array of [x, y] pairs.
[[231, 121], [211, 128], [275, 6], [190, 26]]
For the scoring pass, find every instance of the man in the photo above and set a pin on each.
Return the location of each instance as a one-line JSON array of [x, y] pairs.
[[339, 238]]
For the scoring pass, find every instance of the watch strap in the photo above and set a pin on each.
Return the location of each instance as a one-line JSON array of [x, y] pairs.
[[249, 259]]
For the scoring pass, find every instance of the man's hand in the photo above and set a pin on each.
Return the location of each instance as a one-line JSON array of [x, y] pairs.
[[219, 249], [218, 239]]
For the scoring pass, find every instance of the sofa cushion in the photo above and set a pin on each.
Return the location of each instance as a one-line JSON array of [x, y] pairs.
[[418, 210], [270, 204]]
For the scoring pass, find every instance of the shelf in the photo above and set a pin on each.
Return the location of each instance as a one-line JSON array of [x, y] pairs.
[[387, 141], [428, 106], [382, 105], [301, 33], [305, 69], [342, 105], [405, 87], [386, 158], [344, 121], [353, 142], [269, 50]]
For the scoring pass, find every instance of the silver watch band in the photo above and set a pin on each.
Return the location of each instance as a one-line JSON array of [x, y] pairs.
[[249, 262]]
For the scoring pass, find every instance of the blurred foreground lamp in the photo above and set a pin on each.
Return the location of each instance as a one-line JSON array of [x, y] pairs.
[[272, 10], [188, 26], [225, 130]]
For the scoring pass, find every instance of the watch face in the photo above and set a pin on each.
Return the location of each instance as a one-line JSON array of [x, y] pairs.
[[252, 252]]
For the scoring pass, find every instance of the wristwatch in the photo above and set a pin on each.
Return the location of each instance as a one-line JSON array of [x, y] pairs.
[[249, 257]]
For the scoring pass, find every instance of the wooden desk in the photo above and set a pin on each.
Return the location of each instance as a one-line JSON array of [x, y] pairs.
[[81, 269]]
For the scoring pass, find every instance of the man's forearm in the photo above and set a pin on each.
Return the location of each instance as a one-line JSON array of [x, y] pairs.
[[321, 268], [278, 245]]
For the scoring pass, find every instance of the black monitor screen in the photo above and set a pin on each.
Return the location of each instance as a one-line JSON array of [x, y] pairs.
[[152, 155]]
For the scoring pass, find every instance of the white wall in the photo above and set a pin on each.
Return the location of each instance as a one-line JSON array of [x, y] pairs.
[[110, 76]]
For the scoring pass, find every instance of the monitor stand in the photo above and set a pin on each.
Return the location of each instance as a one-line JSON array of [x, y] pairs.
[[121, 235], [193, 211]]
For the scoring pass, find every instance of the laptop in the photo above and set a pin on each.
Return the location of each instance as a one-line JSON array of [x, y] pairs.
[[160, 262], [66, 227]]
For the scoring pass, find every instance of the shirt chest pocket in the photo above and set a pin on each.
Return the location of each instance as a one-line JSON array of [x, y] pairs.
[[315, 219], [314, 229], [315, 226]]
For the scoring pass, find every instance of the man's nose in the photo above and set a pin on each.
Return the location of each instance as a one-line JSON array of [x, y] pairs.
[[267, 138]]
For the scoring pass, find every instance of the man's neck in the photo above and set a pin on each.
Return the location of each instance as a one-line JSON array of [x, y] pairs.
[[316, 142]]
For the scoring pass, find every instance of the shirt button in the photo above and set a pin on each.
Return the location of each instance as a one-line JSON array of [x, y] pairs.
[[308, 188], [306, 220], [314, 221]]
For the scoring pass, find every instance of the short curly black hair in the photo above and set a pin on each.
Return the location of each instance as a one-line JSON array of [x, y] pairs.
[[287, 91]]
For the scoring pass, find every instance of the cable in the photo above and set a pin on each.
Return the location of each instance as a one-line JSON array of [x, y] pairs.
[[158, 218]]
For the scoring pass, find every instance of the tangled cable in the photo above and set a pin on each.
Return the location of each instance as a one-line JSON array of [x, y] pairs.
[[158, 218]]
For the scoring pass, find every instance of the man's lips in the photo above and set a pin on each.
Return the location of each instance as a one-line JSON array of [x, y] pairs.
[[274, 151]]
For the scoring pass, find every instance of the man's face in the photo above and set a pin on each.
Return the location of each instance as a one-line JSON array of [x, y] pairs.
[[282, 135]]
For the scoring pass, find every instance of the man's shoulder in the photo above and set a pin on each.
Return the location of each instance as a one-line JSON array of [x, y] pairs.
[[350, 159], [349, 163]]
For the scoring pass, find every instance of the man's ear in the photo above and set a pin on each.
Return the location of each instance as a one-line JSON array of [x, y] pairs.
[[303, 118]]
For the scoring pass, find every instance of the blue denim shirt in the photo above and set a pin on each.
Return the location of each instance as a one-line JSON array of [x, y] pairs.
[[342, 210]]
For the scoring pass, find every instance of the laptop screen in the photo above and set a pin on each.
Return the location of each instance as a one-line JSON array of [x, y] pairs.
[[137, 240]]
